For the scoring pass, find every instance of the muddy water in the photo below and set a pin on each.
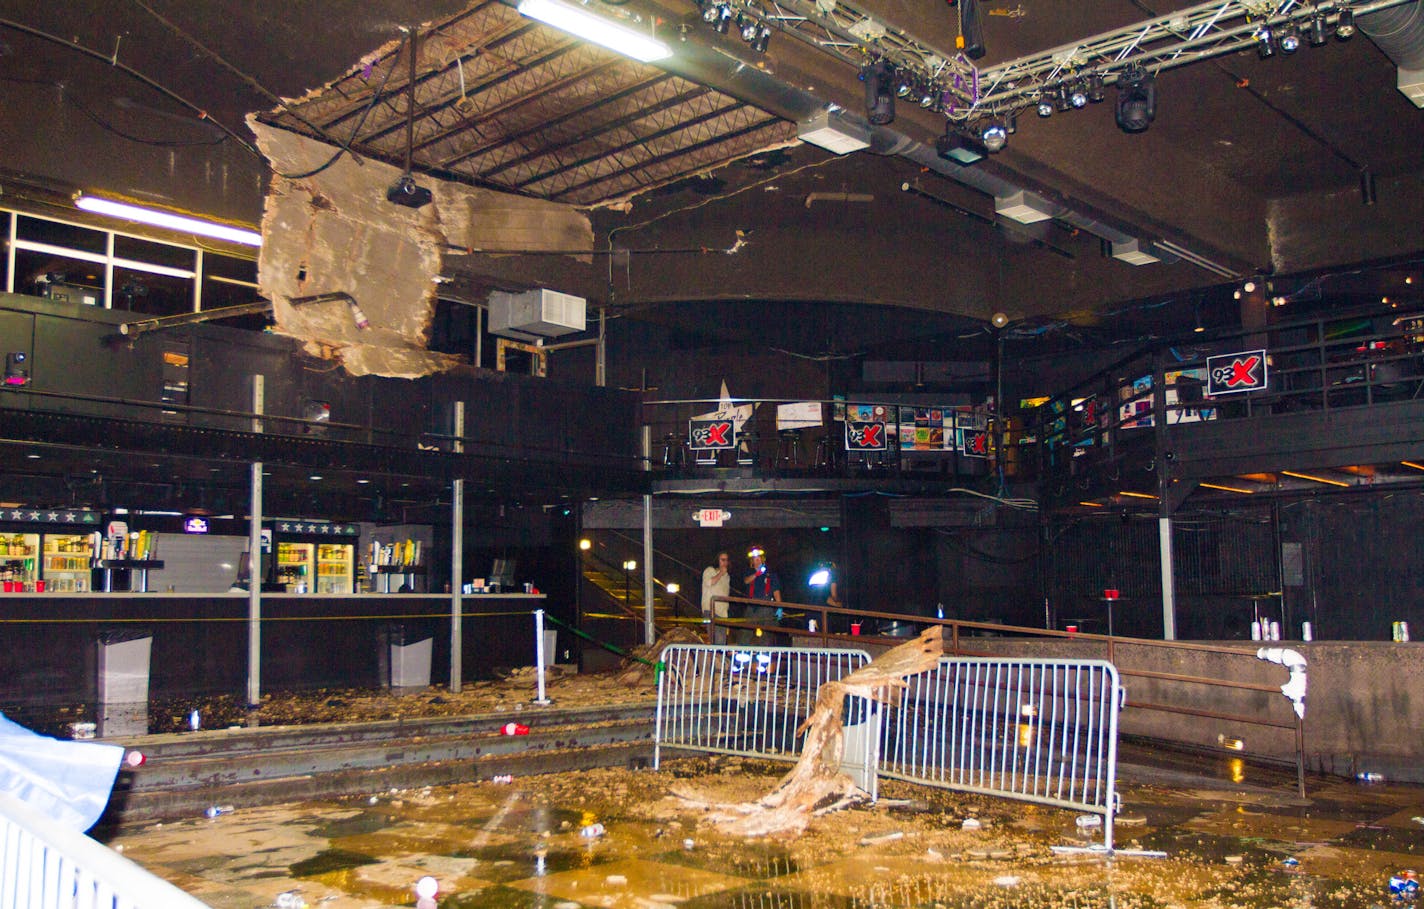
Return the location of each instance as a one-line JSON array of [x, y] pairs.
[[1246, 842]]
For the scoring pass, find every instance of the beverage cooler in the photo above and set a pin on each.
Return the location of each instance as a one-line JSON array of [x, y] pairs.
[[309, 560], [19, 562], [68, 562]]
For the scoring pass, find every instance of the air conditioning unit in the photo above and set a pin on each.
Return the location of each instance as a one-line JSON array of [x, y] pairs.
[[536, 314]]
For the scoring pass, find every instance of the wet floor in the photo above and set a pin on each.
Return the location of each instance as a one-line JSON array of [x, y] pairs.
[[1234, 837]]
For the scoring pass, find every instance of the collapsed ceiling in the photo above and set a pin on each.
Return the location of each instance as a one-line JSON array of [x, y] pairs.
[[690, 171]]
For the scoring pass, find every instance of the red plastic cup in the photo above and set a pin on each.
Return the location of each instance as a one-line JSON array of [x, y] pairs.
[[514, 729], [40, 586], [9, 586], [1110, 594], [855, 628], [1072, 629]]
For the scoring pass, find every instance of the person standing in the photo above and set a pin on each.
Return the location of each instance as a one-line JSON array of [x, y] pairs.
[[716, 582], [762, 584]]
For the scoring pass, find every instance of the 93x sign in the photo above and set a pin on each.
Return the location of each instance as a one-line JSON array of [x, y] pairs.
[[1234, 373], [865, 436], [711, 434]]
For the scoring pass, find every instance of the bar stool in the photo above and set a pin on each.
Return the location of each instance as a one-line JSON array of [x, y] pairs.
[[788, 448], [674, 452], [746, 449], [825, 457]]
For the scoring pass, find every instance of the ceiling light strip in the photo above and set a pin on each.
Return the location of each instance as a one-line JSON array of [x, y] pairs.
[[1135, 495], [1241, 489], [1413, 464], [168, 220], [582, 23], [1305, 476]]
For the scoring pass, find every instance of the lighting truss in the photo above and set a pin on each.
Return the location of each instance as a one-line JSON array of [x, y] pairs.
[[1187, 36]]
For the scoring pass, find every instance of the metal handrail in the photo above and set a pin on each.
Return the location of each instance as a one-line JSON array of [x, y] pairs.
[[955, 645]]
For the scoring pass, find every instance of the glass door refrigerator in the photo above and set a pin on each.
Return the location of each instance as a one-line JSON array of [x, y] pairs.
[[335, 567], [68, 562], [19, 562], [296, 565]]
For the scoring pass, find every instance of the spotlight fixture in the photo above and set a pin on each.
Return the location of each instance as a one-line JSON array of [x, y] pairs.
[[748, 27], [1345, 24], [1315, 31], [723, 20], [1094, 88], [1061, 98], [961, 148], [930, 97], [1078, 95], [1045, 108], [1289, 38], [763, 38], [17, 369], [1136, 100], [711, 12], [1265, 43], [879, 94], [904, 84], [994, 136]]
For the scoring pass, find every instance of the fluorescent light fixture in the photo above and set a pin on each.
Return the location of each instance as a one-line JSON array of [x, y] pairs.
[[582, 23], [1414, 464], [168, 220], [1306, 476], [1023, 207], [1241, 489], [1135, 495], [836, 136], [1135, 252], [1092, 504]]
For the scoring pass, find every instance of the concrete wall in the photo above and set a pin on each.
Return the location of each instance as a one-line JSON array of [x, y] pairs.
[[1364, 706]]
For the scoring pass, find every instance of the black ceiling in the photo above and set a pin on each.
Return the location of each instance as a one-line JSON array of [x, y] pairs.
[[1255, 165]]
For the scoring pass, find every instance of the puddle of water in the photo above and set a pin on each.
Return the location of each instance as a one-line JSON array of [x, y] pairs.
[[329, 860]]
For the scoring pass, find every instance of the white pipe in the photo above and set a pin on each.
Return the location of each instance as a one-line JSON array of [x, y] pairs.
[[1294, 688], [539, 654]]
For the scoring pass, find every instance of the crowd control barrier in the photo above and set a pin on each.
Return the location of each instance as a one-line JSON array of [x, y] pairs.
[[1041, 731]]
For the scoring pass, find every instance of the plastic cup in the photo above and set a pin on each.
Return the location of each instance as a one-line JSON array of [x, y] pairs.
[[40, 586], [1072, 629], [855, 628]]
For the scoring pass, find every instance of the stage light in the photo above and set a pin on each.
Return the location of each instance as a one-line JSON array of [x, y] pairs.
[[1078, 95], [929, 97], [763, 39], [711, 12], [580, 22], [1289, 37], [1345, 24], [169, 220], [994, 136], [879, 94], [904, 84], [748, 28], [1265, 43], [723, 20], [1061, 99], [1045, 108], [1315, 31], [1094, 89], [1136, 100]]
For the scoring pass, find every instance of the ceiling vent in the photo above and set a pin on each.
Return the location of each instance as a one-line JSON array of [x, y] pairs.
[[1023, 207], [536, 314], [834, 134], [1135, 252]]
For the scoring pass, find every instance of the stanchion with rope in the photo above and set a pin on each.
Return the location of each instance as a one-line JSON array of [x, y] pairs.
[[658, 667]]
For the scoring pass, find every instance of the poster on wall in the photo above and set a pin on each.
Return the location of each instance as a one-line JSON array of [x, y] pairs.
[[1185, 395], [1135, 411]]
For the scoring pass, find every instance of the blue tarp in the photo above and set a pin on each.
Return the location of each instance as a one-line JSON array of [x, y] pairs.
[[67, 781]]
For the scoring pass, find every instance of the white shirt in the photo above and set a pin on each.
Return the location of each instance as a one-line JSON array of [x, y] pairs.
[[715, 588]]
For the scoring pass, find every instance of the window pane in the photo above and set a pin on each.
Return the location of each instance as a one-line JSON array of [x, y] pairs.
[[154, 295], [61, 279], [52, 232], [218, 266], [156, 253]]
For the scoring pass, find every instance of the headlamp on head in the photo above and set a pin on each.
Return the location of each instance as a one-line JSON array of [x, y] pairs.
[[756, 552]]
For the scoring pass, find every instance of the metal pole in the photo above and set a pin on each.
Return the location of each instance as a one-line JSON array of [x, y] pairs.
[[539, 654], [650, 633], [600, 360], [254, 560], [457, 559], [1169, 597]]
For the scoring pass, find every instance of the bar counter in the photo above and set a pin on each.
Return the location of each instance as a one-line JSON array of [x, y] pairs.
[[49, 641]]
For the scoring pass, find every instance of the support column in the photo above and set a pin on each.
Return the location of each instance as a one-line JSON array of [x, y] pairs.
[[600, 360], [254, 560], [457, 559], [650, 632], [1169, 596]]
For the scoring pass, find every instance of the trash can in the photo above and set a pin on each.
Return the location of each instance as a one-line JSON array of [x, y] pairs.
[[123, 682], [410, 658], [551, 643]]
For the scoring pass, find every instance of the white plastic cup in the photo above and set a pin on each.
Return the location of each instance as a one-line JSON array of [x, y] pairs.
[[1306, 632]]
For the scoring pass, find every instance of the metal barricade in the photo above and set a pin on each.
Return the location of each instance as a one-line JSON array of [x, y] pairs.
[[45, 865], [750, 701], [1041, 731]]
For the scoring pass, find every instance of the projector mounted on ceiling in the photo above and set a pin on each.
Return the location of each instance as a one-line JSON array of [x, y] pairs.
[[405, 192]]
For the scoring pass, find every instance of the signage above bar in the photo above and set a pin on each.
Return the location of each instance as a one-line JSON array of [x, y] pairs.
[[718, 434], [67, 516], [1236, 372], [319, 528]]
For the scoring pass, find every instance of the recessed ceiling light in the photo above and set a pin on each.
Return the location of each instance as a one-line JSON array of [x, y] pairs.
[[363, 481], [315, 476], [32, 456]]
